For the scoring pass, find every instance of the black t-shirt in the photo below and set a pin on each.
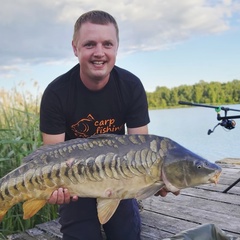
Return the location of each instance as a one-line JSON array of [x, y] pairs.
[[68, 106]]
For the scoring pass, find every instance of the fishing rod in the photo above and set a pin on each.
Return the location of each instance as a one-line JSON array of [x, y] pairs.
[[226, 121]]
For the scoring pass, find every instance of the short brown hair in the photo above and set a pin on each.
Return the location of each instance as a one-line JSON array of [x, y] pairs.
[[96, 17]]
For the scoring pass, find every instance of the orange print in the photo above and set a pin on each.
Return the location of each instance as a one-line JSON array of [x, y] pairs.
[[82, 127]]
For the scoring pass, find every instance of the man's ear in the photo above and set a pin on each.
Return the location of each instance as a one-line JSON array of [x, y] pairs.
[[74, 48]]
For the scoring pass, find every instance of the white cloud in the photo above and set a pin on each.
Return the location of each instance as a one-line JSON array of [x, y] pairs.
[[41, 30], [8, 70]]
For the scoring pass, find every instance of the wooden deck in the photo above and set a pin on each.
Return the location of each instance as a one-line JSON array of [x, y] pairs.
[[165, 217]]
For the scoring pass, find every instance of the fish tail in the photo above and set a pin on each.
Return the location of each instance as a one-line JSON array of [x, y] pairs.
[[5, 201]]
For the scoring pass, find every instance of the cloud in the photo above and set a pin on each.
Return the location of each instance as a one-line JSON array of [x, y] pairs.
[[40, 31], [7, 71]]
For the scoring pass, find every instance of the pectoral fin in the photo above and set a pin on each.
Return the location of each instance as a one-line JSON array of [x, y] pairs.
[[106, 208], [149, 191], [31, 207]]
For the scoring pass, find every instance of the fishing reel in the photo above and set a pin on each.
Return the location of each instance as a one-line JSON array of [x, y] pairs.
[[228, 124], [226, 121]]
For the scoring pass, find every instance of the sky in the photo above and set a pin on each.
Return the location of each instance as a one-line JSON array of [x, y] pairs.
[[164, 42]]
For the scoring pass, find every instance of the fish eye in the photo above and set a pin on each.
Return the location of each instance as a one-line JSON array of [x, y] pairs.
[[199, 165]]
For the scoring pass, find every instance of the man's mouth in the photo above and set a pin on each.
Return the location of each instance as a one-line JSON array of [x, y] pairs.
[[98, 63]]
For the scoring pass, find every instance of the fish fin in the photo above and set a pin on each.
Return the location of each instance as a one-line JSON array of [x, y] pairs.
[[106, 208], [103, 136], [149, 191], [34, 154], [3, 213], [32, 206]]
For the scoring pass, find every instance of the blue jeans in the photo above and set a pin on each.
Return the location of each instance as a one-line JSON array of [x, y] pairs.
[[80, 222]]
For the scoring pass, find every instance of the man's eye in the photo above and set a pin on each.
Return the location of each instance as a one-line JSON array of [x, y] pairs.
[[108, 45], [89, 45]]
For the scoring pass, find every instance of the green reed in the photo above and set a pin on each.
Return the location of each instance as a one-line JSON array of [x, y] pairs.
[[19, 136]]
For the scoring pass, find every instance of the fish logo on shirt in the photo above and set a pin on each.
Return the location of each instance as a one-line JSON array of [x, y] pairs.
[[83, 127]]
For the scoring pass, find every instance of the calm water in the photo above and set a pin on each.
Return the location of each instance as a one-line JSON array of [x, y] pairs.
[[189, 127]]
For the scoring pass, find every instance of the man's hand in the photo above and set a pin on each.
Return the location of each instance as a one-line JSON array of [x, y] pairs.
[[61, 196], [163, 192]]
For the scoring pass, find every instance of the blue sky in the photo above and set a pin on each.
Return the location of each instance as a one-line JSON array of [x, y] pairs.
[[164, 43]]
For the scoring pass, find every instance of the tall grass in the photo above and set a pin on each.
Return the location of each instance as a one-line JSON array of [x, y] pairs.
[[19, 136]]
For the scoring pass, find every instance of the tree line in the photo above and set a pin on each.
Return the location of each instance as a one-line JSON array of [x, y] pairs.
[[202, 92]]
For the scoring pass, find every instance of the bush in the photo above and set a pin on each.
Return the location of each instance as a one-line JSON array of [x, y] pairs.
[[19, 136]]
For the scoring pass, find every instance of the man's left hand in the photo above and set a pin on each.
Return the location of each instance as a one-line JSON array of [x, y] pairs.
[[163, 192]]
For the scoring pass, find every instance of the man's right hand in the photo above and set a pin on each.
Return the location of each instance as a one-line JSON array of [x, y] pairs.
[[61, 196]]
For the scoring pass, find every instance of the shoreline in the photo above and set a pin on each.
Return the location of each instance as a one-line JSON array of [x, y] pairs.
[[229, 161]]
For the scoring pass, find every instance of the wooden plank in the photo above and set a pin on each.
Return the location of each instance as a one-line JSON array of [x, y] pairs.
[[190, 202], [152, 233], [200, 212], [210, 195], [52, 228], [166, 225], [33, 234], [170, 225], [227, 180], [235, 190]]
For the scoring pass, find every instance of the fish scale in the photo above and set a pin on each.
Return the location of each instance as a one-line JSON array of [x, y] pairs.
[[106, 167]]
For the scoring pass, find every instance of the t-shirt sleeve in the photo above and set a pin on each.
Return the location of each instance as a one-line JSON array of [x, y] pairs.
[[138, 115], [52, 117]]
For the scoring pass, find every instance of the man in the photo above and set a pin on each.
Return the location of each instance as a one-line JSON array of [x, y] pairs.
[[94, 97]]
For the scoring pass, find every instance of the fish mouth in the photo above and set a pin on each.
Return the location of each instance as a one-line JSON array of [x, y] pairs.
[[215, 178]]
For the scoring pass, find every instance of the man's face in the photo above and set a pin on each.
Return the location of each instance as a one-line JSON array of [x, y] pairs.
[[96, 48]]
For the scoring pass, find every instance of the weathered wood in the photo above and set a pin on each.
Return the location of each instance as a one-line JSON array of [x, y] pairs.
[[52, 229], [199, 211], [165, 217]]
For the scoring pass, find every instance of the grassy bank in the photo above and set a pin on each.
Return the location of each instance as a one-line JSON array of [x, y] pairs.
[[19, 136]]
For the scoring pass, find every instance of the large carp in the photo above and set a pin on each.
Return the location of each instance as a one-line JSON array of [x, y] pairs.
[[106, 167]]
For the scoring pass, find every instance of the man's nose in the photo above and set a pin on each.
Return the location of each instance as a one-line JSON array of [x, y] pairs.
[[99, 50]]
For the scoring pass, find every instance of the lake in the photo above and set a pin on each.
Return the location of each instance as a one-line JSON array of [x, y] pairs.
[[189, 127]]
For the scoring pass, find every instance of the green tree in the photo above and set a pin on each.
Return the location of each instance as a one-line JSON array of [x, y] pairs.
[[201, 92]]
